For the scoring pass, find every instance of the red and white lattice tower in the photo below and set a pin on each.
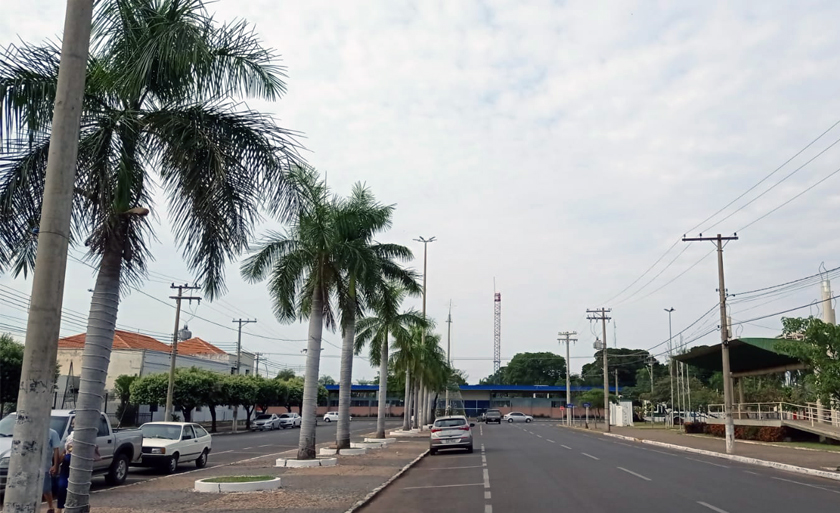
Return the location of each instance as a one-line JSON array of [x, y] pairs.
[[497, 333]]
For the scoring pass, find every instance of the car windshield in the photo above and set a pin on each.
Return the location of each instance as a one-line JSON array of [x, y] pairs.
[[450, 422], [162, 431], [7, 425], [285, 416], [263, 417]]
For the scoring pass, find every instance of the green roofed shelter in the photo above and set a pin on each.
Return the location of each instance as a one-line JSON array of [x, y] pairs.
[[747, 357]]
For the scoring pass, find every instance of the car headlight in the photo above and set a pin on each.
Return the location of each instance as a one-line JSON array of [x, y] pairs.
[[4, 462], [158, 450]]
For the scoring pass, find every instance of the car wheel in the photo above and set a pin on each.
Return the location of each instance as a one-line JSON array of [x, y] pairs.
[[327, 419], [510, 421], [527, 421], [119, 471], [202, 460], [432, 452], [172, 464], [470, 449]]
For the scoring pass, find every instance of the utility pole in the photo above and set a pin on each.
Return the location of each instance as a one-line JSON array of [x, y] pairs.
[[238, 365], [601, 315], [23, 491], [671, 363], [418, 405], [448, 353], [568, 340], [257, 364], [651, 361], [174, 354], [724, 338]]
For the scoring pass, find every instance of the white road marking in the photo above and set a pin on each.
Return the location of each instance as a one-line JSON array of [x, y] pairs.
[[449, 468], [661, 452], [487, 494], [590, 456], [635, 474], [488, 508], [805, 484], [486, 479], [539, 436], [247, 448], [565, 447], [547, 440], [441, 486], [222, 452], [266, 445], [711, 507], [707, 462], [481, 430], [751, 472]]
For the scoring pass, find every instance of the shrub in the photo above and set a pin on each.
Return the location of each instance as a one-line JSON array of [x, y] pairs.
[[771, 434], [717, 430], [695, 427]]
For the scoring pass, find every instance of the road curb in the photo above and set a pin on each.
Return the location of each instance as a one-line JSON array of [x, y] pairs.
[[733, 457], [375, 492], [201, 485]]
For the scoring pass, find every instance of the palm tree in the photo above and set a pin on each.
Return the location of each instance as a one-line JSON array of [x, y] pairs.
[[304, 266], [389, 321], [407, 358], [367, 267], [431, 368], [162, 79]]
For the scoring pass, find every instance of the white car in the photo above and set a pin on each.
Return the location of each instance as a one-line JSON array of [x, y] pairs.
[[166, 444], [332, 416], [516, 416], [265, 421], [290, 420]]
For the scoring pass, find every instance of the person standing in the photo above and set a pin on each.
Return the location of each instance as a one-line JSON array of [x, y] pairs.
[[51, 460]]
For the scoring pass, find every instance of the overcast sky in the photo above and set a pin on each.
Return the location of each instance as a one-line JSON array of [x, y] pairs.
[[559, 148]]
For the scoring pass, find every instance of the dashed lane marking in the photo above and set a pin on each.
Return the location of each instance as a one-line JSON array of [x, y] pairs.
[[634, 474], [590, 456], [711, 507], [707, 462], [565, 447], [450, 468], [441, 486]]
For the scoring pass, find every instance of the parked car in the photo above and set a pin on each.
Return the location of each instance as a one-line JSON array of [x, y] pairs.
[[119, 448], [290, 420], [167, 444], [332, 416], [493, 416], [451, 433], [265, 421], [516, 416]]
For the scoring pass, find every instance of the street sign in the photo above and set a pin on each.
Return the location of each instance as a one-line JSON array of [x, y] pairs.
[[587, 405], [570, 405]]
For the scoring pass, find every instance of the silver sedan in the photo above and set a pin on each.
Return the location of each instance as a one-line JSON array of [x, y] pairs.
[[516, 416]]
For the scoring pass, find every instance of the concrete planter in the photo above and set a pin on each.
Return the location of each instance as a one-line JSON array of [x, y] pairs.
[[407, 434], [203, 486], [366, 445], [326, 451], [318, 462], [385, 441]]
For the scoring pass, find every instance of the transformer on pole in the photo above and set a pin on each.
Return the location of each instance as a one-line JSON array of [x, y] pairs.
[[497, 333]]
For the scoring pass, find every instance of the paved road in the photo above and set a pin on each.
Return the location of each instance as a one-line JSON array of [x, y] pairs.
[[539, 467], [233, 448]]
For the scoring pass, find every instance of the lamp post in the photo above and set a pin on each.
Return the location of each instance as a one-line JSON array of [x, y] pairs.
[[671, 361]]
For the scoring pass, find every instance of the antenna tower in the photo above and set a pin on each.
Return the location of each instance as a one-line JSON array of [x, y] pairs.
[[497, 332]]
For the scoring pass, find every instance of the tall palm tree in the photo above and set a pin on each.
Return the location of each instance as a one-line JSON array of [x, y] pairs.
[[376, 330], [367, 267], [304, 266], [159, 117], [407, 358], [430, 366]]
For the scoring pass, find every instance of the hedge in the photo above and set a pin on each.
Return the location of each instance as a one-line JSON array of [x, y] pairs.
[[757, 433]]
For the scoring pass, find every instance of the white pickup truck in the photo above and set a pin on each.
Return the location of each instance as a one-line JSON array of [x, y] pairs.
[[119, 448]]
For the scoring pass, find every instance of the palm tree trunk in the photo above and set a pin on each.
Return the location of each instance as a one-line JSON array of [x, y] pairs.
[[309, 404], [345, 383], [407, 402], [416, 394], [383, 388], [95, 359], [421, 405]]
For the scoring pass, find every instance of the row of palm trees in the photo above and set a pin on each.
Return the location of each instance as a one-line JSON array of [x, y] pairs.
[[328, 267], [163, 116]]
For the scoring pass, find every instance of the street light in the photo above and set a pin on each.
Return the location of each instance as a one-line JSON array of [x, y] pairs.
[[671, 361]]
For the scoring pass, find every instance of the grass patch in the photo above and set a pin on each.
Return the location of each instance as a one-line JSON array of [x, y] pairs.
[[238, 479], [811, 445]]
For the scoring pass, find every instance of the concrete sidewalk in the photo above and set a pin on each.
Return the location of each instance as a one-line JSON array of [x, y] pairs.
[[321, 489], [819, 460]]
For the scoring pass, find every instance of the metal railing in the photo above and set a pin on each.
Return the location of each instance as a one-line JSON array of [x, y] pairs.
[[781, 411]]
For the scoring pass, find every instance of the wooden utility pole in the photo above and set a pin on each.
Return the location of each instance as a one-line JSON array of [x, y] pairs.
[[26, 473], [568, 340], [724, 339], [174, 355], [601, 315]]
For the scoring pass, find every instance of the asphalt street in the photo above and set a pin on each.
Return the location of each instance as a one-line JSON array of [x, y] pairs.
[[539, 467], [232, 448]]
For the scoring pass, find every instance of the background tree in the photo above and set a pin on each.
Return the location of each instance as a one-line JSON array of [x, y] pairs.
[[286, 374], [189, 392], [819, 347], [270, 392], [212, 394], [458, 377], [625, 360], [241, 390], [11, 361], [122, 387], [326, 380], [161, 109], [535, 369], [497, 378]]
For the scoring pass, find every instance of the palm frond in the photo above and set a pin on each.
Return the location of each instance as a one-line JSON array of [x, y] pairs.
[[219, 167], [28, 81]]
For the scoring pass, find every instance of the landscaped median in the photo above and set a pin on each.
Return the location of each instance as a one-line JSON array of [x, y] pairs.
[[330, 489]]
